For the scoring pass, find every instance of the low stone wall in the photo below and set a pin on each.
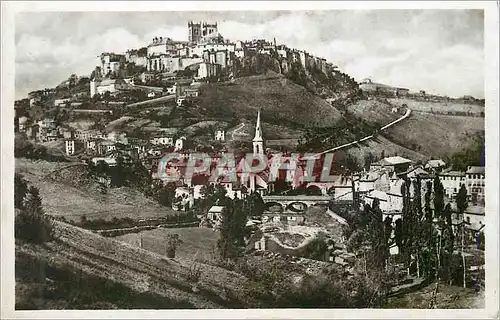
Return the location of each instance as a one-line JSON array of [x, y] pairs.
[[120, 232]]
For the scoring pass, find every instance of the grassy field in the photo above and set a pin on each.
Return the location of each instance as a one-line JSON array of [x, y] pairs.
[[282, 102], [436, 135], [373, 110], [376, 146], [66, 197], [439, 107], [423, 134], [196, 242]]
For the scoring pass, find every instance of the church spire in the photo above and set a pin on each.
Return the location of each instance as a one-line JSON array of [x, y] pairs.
[[258, 142], [258, 130]]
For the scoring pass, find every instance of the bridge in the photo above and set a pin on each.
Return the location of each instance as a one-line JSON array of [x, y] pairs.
[[294, 203]]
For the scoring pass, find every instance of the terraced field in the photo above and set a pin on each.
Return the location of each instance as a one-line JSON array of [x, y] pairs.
[[196, 242]]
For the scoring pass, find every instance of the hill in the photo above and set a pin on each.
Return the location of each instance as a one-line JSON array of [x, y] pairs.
[[444, 107], [376, 111], [433, 129], [437, 135], [281, 101], [141, 272], [66, 192]]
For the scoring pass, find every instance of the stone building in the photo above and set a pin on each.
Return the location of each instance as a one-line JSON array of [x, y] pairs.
[[198, 30]]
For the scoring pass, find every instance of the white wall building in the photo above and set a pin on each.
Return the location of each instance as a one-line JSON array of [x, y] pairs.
[[70, 147], [451, 181], [162, 140], [61, 102], [22, 123], [220, 135], [107, 85], [179, 144], [206, 70], [200, 48], [475, 183]]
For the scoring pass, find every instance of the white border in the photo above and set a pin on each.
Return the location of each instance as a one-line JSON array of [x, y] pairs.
[[7, 159]]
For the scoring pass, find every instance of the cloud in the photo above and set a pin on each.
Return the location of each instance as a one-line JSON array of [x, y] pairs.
[[435, 50], [177, 33]]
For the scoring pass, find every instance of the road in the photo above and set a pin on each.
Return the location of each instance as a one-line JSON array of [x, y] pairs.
[[406, 115], [151, 101], [236, 131]]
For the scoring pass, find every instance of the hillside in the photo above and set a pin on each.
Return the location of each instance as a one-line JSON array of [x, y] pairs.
[[282, 102], [428, 132], [141, 271], [437, 135], [376, 111], [444, 107], [72, 196], [196, 242]]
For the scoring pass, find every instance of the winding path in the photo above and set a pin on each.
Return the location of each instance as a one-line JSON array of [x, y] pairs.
[[150, 101], [236, 131], [406, 115]]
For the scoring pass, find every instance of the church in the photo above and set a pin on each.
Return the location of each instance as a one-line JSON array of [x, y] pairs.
[[279, 166]]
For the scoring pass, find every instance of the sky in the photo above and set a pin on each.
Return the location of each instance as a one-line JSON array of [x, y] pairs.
[[439, 51]]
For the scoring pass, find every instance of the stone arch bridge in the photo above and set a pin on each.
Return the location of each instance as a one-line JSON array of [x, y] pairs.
[[295, 203]]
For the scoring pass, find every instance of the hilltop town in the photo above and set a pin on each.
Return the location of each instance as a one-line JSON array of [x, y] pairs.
[[403, 194]]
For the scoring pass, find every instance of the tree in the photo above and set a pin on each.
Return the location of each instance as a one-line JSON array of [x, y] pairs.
[[369, 159], [31, 224], [461, 200], [398, 233], [254, 205], [461, 207], [118, 177], [101, 167], [419, 224], [447, 242], [316, 249], [438, 197], [20, 190], [166, 195], [72, 80], [172, 243], [232, 230], [212, 194]]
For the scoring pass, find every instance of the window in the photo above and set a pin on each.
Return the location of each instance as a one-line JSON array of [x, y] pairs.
[[468, 220]]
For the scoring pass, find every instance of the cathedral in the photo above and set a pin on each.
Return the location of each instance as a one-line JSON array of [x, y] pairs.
[[198, 30]]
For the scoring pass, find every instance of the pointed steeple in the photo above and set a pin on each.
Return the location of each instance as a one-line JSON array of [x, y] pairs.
[[258, 130], [258, 142]]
